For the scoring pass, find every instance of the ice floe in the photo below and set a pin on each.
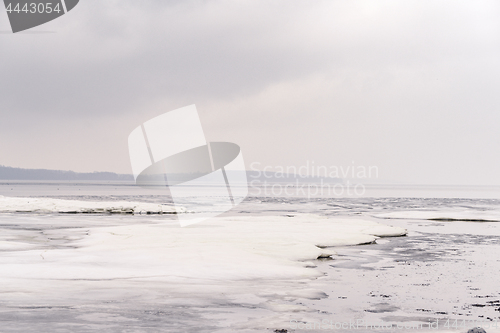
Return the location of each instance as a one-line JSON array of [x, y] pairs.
[[50, 205], [462, 215]]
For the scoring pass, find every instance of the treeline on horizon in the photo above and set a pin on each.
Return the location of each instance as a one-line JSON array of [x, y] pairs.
[[10, 173]]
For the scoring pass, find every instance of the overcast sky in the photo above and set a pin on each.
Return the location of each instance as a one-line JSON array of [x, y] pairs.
[[411, 87]]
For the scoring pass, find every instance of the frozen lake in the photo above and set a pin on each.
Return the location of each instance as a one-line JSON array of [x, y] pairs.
[[254, 270]]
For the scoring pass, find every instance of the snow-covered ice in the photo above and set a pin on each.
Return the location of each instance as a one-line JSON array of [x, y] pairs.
[[226, 248], [258, 263]]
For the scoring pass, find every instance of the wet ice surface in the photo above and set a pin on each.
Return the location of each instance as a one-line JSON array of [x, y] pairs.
[[441, 270], [423, 277]]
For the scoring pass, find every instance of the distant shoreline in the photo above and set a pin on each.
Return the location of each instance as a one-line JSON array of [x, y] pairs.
[[10, 173], [20, 174]]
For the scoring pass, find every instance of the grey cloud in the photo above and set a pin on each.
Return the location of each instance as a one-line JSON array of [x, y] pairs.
[[404, 85]]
